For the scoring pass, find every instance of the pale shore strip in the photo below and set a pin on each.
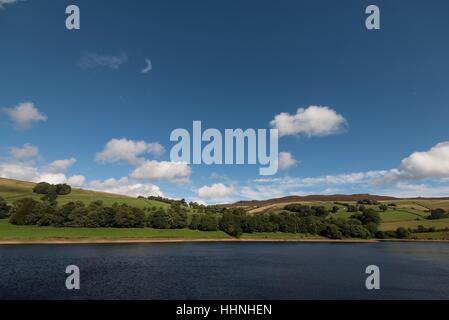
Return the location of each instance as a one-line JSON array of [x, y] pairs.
[[202, 240], [173, 240]]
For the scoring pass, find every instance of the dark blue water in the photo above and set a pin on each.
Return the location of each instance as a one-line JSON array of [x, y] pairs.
[[226, 271]]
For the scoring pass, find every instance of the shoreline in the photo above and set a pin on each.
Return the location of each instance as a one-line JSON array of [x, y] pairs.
[[203, 240]]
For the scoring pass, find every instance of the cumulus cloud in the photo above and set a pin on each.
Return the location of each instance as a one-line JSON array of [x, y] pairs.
[[94, 60], [18, 171], [286, 160], [24, 172], [148, 66], [76, 181], [431, 164], [312, 121], [163, 170], [27, 151], [59, 166], [124, 186], [24, 115], [124, 150], [53, 178], [217, 191]]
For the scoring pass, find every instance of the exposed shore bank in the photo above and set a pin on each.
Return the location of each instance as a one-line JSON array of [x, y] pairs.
[[218, 240]]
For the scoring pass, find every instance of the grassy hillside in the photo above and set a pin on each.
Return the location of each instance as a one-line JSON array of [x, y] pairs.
[[12, 190], [407, 213]]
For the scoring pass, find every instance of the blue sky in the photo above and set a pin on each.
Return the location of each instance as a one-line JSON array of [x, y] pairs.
[[65, 94]]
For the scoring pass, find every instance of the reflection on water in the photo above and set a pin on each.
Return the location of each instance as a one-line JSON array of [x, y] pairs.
[[226, 271]]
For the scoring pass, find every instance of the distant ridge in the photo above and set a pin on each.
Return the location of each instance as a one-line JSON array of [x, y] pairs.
[[334, 197]]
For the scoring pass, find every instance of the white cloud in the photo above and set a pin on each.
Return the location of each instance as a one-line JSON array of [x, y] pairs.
[[431, 164], [18, 171], [286, 160], [24, 114], [93, 60], [76, 181], [59, 166], [118, 150], [27, 151], [410, 190], [428, 164], [126, 187], [216, 191], [3, 3], [52, 178], [148, 67], [313, 121], [163, 170]]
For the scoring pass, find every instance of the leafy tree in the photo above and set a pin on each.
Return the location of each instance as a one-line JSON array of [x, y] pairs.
[[208, 222], [77, 217], [22, 212], [63, 189], [4, 209], [231, 223], [335, 209], [367, 216], [179, 220], [437, 214], [402, 233], [320, 211], [161, 220], [179, 216], [195, 223], [332, 231], [41, 188]]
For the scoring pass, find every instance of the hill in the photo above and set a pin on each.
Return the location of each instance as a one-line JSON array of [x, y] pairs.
[[312, 198], [12, 190]]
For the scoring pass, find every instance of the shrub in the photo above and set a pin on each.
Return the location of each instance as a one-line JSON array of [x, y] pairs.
[[438, 214], [331, 231], [402, 233]]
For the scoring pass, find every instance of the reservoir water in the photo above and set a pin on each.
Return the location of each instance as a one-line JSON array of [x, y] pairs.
[[226, 271]]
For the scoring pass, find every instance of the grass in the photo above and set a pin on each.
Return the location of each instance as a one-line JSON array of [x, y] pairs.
[[12, 232], [440, 235], [401, 215], [413, 224], [12, 190]]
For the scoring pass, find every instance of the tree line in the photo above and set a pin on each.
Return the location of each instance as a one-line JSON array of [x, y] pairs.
[[294, 218]]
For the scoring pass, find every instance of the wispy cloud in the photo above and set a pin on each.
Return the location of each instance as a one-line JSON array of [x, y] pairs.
[[95, 60], [27, 151], [3, 3], [148, 66]]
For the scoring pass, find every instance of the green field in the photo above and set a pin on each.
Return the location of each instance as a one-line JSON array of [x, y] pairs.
[[9, 232], [12, 232], [12, 190], [441, 235]]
